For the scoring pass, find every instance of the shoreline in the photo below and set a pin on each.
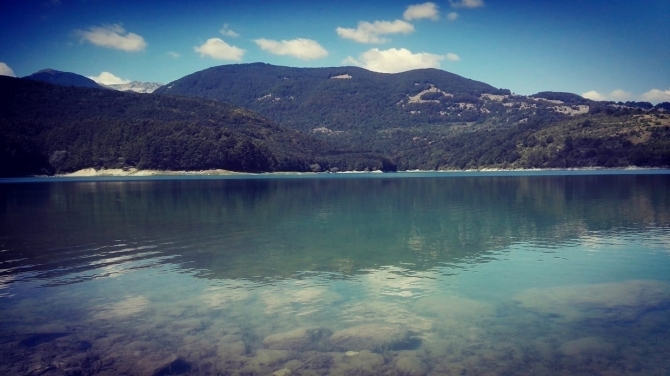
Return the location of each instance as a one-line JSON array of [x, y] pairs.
[[133, 172], [118, 172]]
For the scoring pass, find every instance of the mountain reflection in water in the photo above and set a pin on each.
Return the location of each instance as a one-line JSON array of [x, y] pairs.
[[410, 274], [270, 228]]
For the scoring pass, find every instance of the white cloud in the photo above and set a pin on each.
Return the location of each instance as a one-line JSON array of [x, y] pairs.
[[301, 48], [467, 3], [107, 78], [452, 57], [396, 60], [419, 11], [226, 31], [218, 49], [657, 96], [452, 16], [619, 95], [174, 54], [367, 32], [113, 36], [593, 95], [615, 95], [5, 70]]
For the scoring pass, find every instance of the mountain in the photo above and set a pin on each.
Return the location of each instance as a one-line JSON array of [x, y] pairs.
[[72, 79], [63, 78], [318, 119], [432, 119], [339, 99], [48, 129], [136, 86]]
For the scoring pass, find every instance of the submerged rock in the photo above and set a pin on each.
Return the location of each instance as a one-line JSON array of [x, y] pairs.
[[453, 307], [373, 337], [231, 351], [585, 346], [411, 366], [173, 366], [39, 338], [624, 301], [364, 363], [301, 339], [265, 357], [154, 363], [282, 372]]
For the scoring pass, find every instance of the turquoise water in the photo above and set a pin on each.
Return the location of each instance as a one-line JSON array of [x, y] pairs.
[[398, 274]]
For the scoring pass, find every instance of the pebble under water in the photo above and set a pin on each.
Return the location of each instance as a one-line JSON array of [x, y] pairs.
[[408, 274]]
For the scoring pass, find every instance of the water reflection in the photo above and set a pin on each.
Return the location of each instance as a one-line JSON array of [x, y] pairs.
[[423, 276], [277, 228]]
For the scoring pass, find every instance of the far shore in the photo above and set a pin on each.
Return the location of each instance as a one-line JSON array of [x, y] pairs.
[[91, 172], [130, 172]]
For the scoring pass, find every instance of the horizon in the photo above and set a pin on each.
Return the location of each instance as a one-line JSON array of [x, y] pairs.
[[576, 47]]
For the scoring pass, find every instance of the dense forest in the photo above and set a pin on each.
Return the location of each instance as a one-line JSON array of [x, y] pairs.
[[338, 99], [53, 76], [48, 129], [432, 119], [259, 117]]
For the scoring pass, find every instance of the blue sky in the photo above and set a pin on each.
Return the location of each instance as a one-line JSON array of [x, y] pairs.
[[609, 50]]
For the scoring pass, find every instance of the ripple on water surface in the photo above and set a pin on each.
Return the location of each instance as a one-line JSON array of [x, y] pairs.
[[449, 276]]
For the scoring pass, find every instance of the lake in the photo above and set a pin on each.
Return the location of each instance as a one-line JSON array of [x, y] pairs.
[[524, 273]]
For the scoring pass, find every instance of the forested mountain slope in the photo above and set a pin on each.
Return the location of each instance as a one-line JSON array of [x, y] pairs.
[[432, 119], [321, 119], [63, 78], [47, 128], [333, 99]]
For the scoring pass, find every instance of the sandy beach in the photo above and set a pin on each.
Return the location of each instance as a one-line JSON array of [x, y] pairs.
[[89, 172], [130, 172]]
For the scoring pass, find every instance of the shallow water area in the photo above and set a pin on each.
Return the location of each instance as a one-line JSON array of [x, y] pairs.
[[382, 274]]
